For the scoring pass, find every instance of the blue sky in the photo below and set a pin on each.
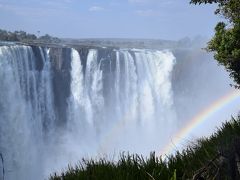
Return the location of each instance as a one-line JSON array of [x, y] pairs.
[[157, 19]]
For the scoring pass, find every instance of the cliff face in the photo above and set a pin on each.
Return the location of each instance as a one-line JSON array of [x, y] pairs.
[[61, 79], [190, 71], [61, 72]]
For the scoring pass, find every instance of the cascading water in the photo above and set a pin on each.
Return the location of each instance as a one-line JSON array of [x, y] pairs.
[[59, 105], [26, 110]]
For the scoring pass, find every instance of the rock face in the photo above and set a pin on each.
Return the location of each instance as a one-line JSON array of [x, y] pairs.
[[61, 79], [61, 72]]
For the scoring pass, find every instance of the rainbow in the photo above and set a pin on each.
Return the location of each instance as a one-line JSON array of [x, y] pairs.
[[198, 119], [181, 135]]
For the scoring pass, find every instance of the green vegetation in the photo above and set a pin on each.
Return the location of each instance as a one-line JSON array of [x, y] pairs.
[[48, 39], [16, 36], [21, 36], [226, 41], [216, 157]]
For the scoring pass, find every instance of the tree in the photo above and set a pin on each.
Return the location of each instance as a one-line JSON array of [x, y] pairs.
[[226, 42], [49, 39]]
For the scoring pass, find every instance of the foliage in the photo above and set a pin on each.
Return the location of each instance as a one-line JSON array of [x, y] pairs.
[[210, 158], [226, 41], [22, 36], [16, 36], [48, 38]]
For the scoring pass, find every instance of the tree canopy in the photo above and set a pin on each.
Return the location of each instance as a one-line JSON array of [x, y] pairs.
[[226, 42], [22, 36], [16, 36]]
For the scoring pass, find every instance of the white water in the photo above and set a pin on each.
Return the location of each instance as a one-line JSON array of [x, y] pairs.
[[125, 103], [26, 111], [145, 82]]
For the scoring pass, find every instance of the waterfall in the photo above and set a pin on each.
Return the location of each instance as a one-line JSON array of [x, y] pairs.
[[76, 104], [143, 100], [93, 87], [118, 99], [26, 110]]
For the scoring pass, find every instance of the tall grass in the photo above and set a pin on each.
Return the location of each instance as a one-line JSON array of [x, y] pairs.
[[208, 158]]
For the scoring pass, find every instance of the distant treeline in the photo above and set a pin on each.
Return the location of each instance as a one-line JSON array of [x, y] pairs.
[[22, 36]]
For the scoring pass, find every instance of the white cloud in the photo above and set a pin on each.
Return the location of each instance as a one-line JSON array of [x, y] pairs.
[[147, 13], [153, 2], [96, 8], [140, 1]]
